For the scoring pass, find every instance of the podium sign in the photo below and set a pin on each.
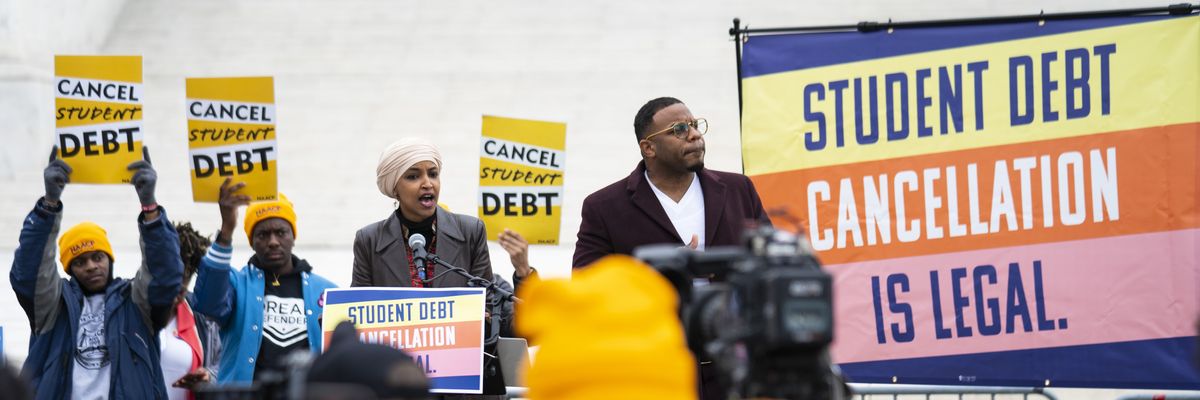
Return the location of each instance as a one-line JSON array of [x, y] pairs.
[[442, 329]]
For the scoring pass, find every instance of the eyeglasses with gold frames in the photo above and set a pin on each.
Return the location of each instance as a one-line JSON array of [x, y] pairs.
[[680, 129]]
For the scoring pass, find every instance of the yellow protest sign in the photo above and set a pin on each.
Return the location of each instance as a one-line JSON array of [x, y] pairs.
[[521, 177], [231, 133], [98, 116]]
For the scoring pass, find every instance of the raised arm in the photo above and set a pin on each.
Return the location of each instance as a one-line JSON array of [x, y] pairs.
[[214, 292], [160, 276], [34, 276], [215, 296], [518, 253]]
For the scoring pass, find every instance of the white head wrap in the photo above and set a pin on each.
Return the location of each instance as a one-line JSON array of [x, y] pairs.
[[399, 157]]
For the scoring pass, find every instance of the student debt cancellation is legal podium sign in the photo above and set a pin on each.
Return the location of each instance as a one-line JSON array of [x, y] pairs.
[[441, 328], [98, 116], [521, 177], [231, 133]]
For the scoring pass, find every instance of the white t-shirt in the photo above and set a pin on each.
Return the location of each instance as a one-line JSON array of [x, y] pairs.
[[176, 360], [688, 214], [91, 376]]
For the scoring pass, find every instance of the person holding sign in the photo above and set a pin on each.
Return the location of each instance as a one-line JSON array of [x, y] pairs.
[[409, 171], [272, 306], [93, 335], [518, 254], [386, 252]]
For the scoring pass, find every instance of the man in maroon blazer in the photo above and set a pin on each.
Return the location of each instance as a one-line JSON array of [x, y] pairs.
[[670, 197]]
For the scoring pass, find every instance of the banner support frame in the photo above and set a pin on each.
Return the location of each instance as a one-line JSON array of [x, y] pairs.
[[736, 32], [741, 34], [871, 26]]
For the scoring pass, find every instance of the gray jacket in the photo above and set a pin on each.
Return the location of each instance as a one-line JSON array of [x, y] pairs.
[[381, 259]]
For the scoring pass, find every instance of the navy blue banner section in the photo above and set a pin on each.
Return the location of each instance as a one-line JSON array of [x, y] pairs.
[[769, 54], [1089, 366], [456, 382]]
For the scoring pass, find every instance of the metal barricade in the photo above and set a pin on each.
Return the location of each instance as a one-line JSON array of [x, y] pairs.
[[902, 392], [898, 392], [515, 392]]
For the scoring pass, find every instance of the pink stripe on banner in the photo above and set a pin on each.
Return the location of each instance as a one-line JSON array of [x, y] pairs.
[[450, 362], [1107, 290]]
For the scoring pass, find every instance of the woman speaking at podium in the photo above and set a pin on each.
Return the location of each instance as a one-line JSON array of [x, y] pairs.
[[386, 253], [409, 172]]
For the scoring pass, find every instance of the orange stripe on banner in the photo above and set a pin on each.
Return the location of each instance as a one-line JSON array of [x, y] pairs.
[[1118, 183], [455, 335]]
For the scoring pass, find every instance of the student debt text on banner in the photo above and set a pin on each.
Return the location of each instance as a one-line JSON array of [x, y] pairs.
[[98, 116], [521, 177], [442, 329], [1001, 204], [231, 134]]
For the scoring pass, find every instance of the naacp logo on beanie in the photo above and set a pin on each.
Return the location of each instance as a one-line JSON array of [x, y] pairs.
[[85, 246], [280, 208], [82, 238]]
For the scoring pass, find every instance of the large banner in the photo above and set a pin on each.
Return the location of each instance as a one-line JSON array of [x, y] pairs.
[[231, 134], [521, 177], [442, 329], [98, 116], [1001, 204]]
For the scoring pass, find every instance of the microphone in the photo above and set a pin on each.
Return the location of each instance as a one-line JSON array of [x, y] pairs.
[[416, 242]]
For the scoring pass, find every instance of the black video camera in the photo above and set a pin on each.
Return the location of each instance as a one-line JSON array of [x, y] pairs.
[[762, 313]]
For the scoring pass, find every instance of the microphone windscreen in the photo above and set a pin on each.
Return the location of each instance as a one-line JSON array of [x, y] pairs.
[[417, 240]]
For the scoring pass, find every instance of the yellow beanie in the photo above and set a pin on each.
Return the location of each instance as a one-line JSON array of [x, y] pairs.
[[279, 208], [82, 238], [611, 332]]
